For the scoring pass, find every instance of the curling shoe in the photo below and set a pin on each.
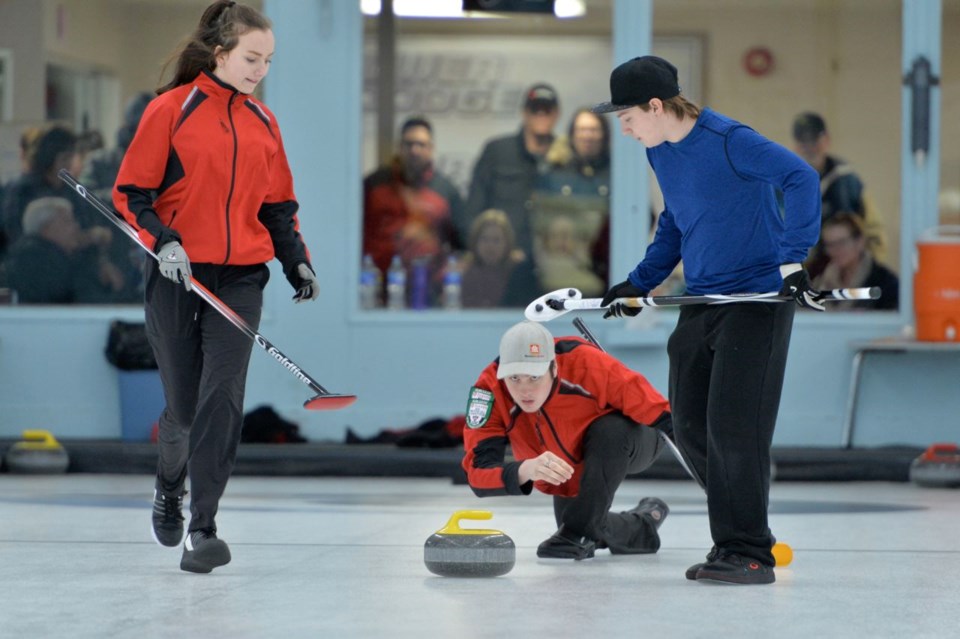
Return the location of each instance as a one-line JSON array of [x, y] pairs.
[[202, 552], [654, 509], [168, 519], [565, 544], [732, 568]]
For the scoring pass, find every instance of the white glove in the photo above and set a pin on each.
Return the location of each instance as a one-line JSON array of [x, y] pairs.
[[309, 285], [174, 264]]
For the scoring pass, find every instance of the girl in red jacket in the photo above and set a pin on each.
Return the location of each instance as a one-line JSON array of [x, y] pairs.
[[577, 422], [206, 183]]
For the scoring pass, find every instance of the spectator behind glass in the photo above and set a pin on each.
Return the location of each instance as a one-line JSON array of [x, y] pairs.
[[59, 148], [850, 264], [841, 189], [55, 149], [490, 260], [505, 175], [564, 259], [409, 207], [28, 144], [101, 170], [577, 185], [56, 262]]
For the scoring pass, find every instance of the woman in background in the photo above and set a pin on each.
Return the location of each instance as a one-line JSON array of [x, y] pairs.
[[850, 264]]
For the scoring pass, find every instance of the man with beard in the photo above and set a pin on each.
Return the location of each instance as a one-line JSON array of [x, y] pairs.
[[505, 175], [409, 206]]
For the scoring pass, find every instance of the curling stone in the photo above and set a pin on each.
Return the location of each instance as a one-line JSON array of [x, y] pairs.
[[453, 551], [937, 467], [38, 454]]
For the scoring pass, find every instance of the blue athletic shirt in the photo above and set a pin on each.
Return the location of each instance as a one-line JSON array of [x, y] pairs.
[[720, 210]]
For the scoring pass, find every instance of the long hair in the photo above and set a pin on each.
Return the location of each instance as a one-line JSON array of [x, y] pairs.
[[221, 26], [604, 130]]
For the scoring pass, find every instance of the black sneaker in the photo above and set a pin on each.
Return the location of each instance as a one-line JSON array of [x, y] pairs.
[[736, 569], [567, 545], [653, 508], [202, 552], [168, 518], [692, 571]]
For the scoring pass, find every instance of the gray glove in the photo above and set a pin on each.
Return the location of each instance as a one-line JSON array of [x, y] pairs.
[[174, 264], [309, 286]]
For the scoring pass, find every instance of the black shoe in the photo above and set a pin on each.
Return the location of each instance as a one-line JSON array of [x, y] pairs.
[[736, 569], [202, 552], [691, 573], [653, 508], [567, 545], [647, 515], [168, 518]]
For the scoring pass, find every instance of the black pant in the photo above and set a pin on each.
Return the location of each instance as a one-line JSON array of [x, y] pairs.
[[613, 447], [726, 376], [203, 366]]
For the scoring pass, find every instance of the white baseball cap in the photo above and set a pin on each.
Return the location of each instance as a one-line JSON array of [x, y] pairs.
[[525, 349]]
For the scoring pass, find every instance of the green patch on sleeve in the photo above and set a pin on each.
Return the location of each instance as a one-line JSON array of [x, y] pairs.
[[479, 407]]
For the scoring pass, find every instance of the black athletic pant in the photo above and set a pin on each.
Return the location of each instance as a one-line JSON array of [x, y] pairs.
[[203, 366], [613, 447], [726, 374]]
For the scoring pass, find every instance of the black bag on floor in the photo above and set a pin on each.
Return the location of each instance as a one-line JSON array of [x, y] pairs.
[[263, 425], [128, 348]]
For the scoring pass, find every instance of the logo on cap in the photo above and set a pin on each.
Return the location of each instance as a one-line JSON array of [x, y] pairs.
[[535, 350]]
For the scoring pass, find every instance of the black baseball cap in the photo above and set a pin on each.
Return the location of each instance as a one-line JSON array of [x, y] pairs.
[[808, 127], [540, 96], [638, 81]]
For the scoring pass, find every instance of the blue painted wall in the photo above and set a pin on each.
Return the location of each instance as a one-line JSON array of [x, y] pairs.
[[410, 367]]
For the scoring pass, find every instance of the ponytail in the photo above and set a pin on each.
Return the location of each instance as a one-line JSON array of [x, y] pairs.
[[221, 25]]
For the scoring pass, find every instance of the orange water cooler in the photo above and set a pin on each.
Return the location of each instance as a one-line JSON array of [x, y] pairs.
[[936, 285]]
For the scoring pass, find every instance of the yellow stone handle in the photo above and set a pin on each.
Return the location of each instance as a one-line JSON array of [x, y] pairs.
[[38, 440], [453, 525]]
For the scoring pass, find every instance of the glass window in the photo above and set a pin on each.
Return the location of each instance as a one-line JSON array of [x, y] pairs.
[[487, 185]]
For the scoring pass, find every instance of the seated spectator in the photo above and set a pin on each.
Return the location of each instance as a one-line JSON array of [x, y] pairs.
[[56, 148], [59, 148], [28, 143], [409, 207], [490, 260], [564, 261], [56, 262], [850, 264], [841, 189]]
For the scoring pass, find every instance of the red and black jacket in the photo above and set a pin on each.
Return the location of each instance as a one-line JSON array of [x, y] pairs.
[[589, 384], [207, 168]]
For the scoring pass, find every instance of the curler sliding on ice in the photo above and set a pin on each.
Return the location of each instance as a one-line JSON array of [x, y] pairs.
[[323, 400], [564, 300]]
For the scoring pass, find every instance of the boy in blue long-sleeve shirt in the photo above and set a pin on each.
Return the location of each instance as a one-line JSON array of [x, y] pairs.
[[719, 180]]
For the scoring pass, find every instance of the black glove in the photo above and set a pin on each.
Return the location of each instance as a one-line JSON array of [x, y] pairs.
[[797, 284], [623, 289]]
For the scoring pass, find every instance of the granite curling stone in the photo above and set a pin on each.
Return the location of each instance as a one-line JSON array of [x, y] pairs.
[[38, 454], [453, 551], [937, 467]]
